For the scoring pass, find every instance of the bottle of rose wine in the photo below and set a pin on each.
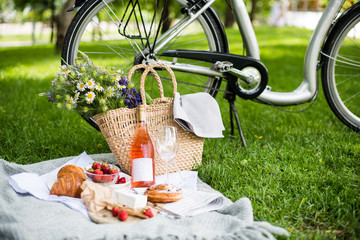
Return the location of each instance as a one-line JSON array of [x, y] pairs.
[[142, 154]]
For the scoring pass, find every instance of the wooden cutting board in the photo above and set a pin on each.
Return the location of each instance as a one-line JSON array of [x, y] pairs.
[[105, 216]]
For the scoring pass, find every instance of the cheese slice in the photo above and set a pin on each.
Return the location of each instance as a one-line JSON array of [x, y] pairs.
[[130, 199]]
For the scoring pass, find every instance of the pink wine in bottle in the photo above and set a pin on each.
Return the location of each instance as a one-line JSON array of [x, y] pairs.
[[142, 155]]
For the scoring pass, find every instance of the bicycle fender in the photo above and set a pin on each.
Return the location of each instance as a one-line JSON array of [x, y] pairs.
[[78, 4], [329, 37]]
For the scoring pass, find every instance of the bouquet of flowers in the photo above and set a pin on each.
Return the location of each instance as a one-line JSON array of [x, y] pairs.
[[90, 90]]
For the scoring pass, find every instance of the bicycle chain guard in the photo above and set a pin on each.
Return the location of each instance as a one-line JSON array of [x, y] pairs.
[[239, 62]]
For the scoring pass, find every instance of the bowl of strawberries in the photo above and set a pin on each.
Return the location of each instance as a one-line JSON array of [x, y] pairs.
[[102, 172]]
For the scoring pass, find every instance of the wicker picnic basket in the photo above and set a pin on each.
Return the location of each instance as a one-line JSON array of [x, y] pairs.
[[118, 127]]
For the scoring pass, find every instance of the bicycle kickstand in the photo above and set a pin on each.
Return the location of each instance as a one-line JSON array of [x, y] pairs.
[[230, 96]]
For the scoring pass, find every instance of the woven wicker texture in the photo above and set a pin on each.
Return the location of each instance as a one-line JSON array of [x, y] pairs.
[[119, 126]]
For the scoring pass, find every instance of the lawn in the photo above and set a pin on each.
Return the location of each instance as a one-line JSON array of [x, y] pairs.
[[300, 170]]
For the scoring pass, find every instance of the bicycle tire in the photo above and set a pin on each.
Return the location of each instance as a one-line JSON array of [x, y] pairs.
[[341, 67]]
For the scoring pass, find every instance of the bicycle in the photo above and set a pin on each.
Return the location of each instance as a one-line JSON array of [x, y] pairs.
[[133, 32]]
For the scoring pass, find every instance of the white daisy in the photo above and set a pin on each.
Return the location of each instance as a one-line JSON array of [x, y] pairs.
[[90, 84], [80, 86], [116, 78], [90, 96], [71, 100], [121, 86], [67, 71], [76, 95], [110, 91], [99, 88]]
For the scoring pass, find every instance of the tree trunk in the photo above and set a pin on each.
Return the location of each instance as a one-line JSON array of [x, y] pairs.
[[52, 20], [253, 10], [229, 17], [166, 22], [33, 29], [63, 20]]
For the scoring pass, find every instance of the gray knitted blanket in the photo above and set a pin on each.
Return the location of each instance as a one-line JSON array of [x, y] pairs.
[[23, 216]]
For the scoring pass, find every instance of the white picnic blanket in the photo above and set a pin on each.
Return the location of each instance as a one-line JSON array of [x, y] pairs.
[[23, 216]]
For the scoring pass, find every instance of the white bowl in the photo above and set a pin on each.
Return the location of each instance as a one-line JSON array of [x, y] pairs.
[[107, 179]]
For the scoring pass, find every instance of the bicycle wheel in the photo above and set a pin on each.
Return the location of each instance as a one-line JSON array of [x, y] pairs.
[[341, 68], [122, 33]]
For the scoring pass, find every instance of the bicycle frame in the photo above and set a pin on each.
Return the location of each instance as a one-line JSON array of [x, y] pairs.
[[309, 86]]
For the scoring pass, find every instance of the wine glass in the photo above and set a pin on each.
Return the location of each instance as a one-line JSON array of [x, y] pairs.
[[167, 145]]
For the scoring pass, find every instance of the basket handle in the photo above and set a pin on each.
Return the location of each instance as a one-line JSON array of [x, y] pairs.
[[150, 68], [140, 66]]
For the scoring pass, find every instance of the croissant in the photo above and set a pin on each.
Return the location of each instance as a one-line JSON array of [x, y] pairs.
[[70, 168], [68, 185]]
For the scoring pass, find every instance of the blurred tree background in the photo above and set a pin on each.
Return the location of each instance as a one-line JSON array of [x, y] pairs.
[[49, 12], [53, 15]]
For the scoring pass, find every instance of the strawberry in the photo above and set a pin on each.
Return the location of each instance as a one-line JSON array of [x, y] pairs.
[[147, 212], [113, 170], [121, 180], [107, 178], [115, 211], [123, 215], [96, 165], [105, 167], [97, 178]]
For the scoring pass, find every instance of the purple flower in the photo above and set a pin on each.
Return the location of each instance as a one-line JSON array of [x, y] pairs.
[[123, 81]]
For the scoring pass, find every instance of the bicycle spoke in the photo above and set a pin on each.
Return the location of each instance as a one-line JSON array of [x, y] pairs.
[[182, 44], [113, 41], [348, 60], [119, 24], [353, 41], [108, 46], [344, 101]]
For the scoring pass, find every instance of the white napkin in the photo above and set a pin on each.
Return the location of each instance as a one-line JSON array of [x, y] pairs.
[[38, 185], [199, 113]]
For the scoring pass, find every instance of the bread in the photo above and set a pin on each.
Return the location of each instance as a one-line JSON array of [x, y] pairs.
[[163, 193], [68, 185], [70, 168]]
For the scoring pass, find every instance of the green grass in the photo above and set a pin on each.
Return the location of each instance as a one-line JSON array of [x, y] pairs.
[[300, 170]]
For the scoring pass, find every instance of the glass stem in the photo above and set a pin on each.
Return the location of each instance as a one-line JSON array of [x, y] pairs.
[[167, 173], [178, 169]]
